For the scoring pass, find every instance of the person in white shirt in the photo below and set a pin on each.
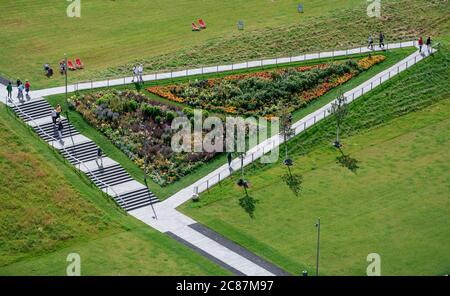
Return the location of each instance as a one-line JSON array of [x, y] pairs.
[[135, 73], [141, 71]]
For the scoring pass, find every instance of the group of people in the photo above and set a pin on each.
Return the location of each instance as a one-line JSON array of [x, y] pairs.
[[381, 40], [428, 43], [138, 71], [20, 89]]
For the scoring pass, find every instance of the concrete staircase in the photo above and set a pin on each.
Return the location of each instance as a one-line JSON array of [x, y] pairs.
[[106, 174]]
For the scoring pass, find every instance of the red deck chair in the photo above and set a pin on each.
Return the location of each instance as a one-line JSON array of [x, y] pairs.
[[194, 27], [202, 24], [79, 64], [70, 65]]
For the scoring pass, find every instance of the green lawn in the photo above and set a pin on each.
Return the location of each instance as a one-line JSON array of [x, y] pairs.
[[49, 211], [110, 35], [397, 204], [393, 56]]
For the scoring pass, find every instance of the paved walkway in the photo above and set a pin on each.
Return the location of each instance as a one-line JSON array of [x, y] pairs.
[[181, 227]]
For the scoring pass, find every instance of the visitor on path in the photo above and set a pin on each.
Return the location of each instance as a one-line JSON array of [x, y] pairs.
[[18, 82], [9, 90], [135, 73], [20, 89], [99, 157], [141, 71], [428, 43], [60, 129], [370, 46], [420, 43], [27, 87], [58, 111], [54, 116], [381, 40]]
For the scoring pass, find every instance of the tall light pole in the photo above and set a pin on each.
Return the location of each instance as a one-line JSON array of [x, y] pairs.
[[318, 246], [65, 80], [145, 167]]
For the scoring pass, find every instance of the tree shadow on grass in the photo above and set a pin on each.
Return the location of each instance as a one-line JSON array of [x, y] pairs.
[[346, 161]]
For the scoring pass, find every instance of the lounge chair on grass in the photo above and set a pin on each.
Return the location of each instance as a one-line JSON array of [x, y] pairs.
[[70, 65], [202, 24], [79, 64], [194, 27]]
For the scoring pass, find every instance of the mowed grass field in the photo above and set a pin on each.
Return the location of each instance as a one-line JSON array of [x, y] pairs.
[[49, 211], [113, 33], [396, 204]]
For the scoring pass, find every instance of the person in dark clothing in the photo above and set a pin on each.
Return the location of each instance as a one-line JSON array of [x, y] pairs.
[[100, 156], [381, 40], [60, 129], [9, 89], [428, 43]]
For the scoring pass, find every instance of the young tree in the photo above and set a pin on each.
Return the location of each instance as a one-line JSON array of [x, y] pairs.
[[339, 109], [293, 181]]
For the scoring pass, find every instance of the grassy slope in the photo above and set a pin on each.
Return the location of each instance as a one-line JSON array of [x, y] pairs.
[[396, 205], [163, 192], [49, 211], [111, 33]]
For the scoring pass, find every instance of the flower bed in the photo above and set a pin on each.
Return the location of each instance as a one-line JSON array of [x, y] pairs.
[[260, 93], [127, 118]]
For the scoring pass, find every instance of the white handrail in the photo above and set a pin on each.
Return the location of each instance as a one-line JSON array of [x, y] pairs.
[[68, 153]]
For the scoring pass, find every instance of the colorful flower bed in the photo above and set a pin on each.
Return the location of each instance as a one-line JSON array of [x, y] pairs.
[[127, 118], [260, 93]]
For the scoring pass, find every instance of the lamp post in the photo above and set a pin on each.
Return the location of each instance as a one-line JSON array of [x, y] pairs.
[[145, 167], [318, 246]]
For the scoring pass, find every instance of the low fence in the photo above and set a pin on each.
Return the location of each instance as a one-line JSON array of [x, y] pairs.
[[86, 85], [303, 124]]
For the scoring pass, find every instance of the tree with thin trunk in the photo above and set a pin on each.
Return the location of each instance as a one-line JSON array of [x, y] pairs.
[[293, 181], [339, 109]]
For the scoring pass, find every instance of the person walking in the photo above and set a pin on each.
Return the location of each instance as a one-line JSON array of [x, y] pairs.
[[54, 116], [20, 91], [420, 43], [381, 40], [9, 90], [428, 43], [135, 73], [60, 129], [141, 71], [370, 46], [27, 87], [58, 111], [99, 157]]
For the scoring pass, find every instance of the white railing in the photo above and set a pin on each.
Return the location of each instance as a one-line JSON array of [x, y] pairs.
[[304, 123], [80, 162], [214, 69]]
